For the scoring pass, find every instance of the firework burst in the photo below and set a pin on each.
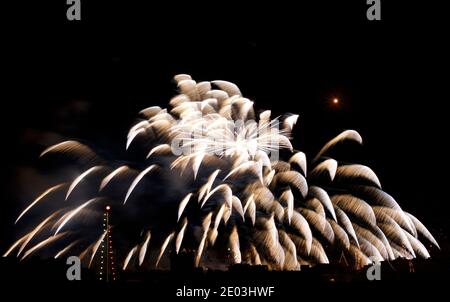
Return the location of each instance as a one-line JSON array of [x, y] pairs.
[[219, 180]]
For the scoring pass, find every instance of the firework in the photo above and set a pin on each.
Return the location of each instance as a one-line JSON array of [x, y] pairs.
[[219, 179]]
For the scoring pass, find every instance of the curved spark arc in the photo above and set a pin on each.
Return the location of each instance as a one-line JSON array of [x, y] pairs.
[[42, 244], [163, 248], [14, 245], [96, 246], [79, 179], [39, 198], [75, 212], [33, 232], [110, 176], [137, 180], [129, 256], [144, 248], [66, 249]]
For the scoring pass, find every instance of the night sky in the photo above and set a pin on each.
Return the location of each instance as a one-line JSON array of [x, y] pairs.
[[88, 80]]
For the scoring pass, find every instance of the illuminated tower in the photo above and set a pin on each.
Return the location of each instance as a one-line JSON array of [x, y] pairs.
[[107, 258]]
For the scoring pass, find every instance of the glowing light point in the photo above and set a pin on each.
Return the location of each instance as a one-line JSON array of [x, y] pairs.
[[335, 101], [108, 208]]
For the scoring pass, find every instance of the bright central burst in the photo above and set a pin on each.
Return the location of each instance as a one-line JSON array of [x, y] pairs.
[[210, 177]]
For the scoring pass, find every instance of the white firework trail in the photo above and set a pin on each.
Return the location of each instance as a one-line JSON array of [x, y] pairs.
[[42, 244], [66, 249], [79, 179], [110, 176], [39, 198], [96, 246], [144, 248], [73, 213]]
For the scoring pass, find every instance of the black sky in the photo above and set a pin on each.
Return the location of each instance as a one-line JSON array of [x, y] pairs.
[[88, 80]]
